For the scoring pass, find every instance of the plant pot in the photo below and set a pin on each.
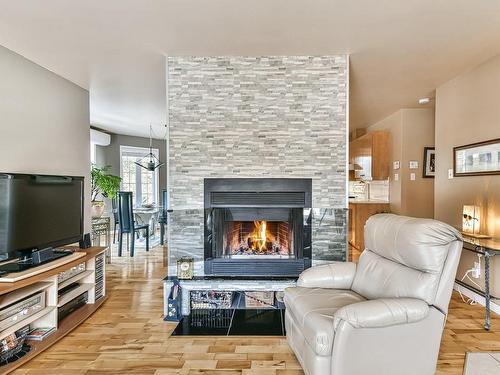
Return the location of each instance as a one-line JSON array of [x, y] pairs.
[[97, 209]]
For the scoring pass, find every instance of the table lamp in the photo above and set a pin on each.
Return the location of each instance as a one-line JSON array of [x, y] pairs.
[[471, 221]]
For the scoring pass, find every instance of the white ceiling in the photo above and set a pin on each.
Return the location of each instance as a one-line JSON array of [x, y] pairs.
[[401, 50]]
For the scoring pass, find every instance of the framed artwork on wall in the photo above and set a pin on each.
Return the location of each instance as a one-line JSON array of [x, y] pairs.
[[429, 170], [476, 159]]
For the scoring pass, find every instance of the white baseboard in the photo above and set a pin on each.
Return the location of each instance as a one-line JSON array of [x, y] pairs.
[[494, 304]]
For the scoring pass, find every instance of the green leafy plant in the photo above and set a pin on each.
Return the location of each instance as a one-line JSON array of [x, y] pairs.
[[104, 183]]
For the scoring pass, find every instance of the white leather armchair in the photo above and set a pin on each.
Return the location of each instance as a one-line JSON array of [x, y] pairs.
[[383, 316]]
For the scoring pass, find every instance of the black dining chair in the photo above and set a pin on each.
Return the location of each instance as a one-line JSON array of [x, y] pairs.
[[163, 215], [127, 223], [116, 218]]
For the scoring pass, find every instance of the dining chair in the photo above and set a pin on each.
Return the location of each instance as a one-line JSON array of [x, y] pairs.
[[163, 215], [127, 223], [116, 218]]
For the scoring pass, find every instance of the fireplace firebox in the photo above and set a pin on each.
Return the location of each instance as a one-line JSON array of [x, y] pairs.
[[257, 226]]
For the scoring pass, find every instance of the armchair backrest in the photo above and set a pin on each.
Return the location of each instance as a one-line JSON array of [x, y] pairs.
[[408, 257]]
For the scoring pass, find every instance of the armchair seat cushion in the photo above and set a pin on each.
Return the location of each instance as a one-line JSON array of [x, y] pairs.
[[313, 311]]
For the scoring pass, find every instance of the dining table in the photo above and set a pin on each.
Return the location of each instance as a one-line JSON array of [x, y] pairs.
[[147, 215]]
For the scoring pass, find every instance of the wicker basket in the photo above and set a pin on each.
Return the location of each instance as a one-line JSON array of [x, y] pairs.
[[210, 299]]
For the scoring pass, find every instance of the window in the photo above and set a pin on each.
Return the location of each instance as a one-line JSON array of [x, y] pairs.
[[142, 183]]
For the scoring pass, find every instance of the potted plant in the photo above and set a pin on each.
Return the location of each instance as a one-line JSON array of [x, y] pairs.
[[103, 184]]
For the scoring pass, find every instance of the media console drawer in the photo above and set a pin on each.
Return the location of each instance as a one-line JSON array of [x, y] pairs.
[[21, 310]]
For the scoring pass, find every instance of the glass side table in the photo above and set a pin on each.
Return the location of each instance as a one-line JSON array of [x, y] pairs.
[[488, 248]]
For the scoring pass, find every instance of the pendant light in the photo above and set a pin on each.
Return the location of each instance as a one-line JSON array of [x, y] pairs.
[[150, 161]]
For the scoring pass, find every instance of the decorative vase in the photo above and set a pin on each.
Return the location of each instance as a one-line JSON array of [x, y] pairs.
[[97, 209]]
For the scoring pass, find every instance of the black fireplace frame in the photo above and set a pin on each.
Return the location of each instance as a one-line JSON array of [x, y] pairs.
[[257, 196]]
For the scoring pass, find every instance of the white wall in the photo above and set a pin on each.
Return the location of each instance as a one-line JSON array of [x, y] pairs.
[[44, 122]]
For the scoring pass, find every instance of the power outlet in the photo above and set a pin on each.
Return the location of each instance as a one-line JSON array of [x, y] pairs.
[[476, 272]]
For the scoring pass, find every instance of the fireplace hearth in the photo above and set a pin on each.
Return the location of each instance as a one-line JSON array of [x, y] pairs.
[[257, 226]]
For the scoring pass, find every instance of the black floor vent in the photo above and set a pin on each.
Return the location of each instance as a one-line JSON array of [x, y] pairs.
[[257, 199]]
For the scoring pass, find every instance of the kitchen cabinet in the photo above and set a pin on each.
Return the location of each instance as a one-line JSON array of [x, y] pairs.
[[371, 153], [359, 212]]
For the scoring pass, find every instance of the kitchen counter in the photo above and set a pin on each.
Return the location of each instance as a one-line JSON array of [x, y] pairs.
[[359, 212]]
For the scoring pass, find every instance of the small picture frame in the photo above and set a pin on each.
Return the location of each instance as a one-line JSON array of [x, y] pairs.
[[185, 268], [476, 159], [413, 164], [396, 165], [429, 170]]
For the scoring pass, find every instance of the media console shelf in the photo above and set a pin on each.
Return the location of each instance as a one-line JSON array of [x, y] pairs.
[[47, 280]]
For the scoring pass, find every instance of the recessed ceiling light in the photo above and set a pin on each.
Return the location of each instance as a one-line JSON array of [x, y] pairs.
[[424, 101]]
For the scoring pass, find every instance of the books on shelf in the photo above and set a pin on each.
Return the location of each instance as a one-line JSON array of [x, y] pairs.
[[38, 334]]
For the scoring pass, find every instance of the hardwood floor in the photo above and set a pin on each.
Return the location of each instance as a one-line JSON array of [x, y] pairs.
[[128, 336]]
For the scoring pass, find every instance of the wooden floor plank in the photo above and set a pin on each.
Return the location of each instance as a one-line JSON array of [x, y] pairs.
[[128, 336]]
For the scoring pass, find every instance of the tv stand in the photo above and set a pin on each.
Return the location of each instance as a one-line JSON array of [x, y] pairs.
[[47, 278], [24, 264]]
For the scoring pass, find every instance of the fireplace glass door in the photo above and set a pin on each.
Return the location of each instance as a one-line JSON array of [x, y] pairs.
[[257, 227], [258, 233]]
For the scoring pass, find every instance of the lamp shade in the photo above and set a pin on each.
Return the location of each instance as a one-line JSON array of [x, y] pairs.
[[471, 219]]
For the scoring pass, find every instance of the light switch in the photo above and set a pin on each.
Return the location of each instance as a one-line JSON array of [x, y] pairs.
[[450, 174], [412, 176], [396, 176]]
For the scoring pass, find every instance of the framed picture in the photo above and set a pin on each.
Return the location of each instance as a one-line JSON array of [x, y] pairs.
[[476, 159], [429, 170]]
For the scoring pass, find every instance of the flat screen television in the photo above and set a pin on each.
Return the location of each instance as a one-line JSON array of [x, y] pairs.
[[39, 211]]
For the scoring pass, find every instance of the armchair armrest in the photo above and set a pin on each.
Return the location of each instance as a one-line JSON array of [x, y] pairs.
[[338, 275], [382, 312]]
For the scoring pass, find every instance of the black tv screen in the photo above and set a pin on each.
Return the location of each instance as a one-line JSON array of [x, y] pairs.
[[38, 211]]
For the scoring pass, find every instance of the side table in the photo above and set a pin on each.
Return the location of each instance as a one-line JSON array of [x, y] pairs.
[[488, 248]]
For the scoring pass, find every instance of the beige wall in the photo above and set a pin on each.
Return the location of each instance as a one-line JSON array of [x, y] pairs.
[[418, 132], [393, 125], [468, 111], [44, 121], [411, 130]]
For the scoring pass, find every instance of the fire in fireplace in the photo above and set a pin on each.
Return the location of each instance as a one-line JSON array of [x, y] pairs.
[[257, 238], [257, 226]]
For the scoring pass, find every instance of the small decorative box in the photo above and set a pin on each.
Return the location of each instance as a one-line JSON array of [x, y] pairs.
[[185, 268]]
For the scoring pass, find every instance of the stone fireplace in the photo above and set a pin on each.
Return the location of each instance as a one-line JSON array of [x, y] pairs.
[[257, 118], [257, 226]]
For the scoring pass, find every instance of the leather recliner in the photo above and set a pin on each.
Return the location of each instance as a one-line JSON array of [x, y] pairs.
[[383, 316]]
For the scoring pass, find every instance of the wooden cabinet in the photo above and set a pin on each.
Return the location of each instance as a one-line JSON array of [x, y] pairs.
[[358, 215], [48, 279], [371, 152]]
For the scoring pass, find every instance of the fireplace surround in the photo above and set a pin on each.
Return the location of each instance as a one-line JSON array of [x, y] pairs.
[[257, 226]]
